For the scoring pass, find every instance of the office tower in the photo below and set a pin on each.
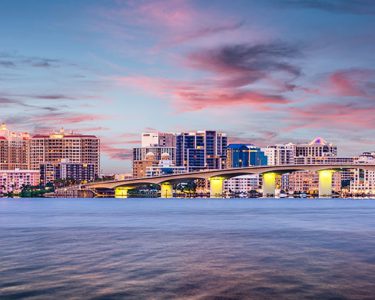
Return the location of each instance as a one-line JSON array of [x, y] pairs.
[[280, 154], [58, 147], [14, 149], [242, 155], [77, 172], [158, 139], [201, 150]]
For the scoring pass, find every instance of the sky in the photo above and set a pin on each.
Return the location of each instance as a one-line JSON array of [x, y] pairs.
[[264, 72]]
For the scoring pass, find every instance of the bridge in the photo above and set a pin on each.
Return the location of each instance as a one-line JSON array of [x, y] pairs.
[[217, 177]]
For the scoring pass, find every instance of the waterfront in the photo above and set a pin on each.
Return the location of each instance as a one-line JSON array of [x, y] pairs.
[[196, 248]]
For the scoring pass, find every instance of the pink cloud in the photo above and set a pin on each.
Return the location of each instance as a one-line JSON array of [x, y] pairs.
[[115, 152], [352, 83], [171, 22], [333, 115], [193, 96], [67, 118]]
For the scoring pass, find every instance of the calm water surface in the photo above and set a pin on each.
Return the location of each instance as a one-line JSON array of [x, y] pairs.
[[194, 249]]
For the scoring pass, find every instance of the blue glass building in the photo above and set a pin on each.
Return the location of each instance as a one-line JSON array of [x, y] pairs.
[[242, 155], [201, 150]]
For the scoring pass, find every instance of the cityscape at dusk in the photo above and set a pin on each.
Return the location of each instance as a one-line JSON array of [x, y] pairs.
[[187, 149], [265, 72]]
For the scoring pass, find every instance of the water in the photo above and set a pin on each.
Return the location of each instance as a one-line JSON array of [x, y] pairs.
[[193, 249]]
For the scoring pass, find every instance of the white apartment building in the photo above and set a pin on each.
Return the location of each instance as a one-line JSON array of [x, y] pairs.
[[363, 181], [280, 154], [242, 184], [158, 139], [14, 180]]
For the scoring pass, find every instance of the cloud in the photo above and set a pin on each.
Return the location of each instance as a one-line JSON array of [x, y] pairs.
[[197, 100], [333, 116], [192, 96], [243, 64], [52, 97], [7, 63], [353, 83], [117, 153], [13, 60], [203, 32], [172, 22], [6, 100], [360, 7], [231, 72], [65, 118]]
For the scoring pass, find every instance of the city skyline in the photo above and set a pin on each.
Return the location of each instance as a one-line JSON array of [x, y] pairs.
[[264, 73]]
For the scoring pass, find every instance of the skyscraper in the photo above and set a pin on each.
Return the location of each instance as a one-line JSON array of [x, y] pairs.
[[14, 149], [155, 139], [280, 154], [201, 150], [242, 155], [69, 147]]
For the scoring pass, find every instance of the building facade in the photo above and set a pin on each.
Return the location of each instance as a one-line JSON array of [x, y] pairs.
[[57, 147], [14, 149], [318, 147], [201, 150], [363, 181], [140, 166], [318, 151], [280, 154], [164, 167], [14, 180], [77, 172], [242, 184], [242, 155], [308, 182], [156, 139]]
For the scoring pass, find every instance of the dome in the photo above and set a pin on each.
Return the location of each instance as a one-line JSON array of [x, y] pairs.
[[150, 156], [318, 141], [165, 156]]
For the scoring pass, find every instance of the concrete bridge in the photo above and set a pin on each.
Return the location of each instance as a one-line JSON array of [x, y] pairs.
[[217, 177]]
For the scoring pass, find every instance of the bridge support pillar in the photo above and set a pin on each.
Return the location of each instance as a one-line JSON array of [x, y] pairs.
[[269, 184], [122, 192], [216, 187], [325, 183], [166, 190]]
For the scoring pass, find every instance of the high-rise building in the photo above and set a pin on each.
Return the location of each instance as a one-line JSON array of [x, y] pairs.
[[363, 181], [14, 149], [139, 153], [280, 154], [318, 147], [164, 167], [154, 146], [156, 139], [57, 147], [65, 170], [201, 150], [242, 155], [140, 165]]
